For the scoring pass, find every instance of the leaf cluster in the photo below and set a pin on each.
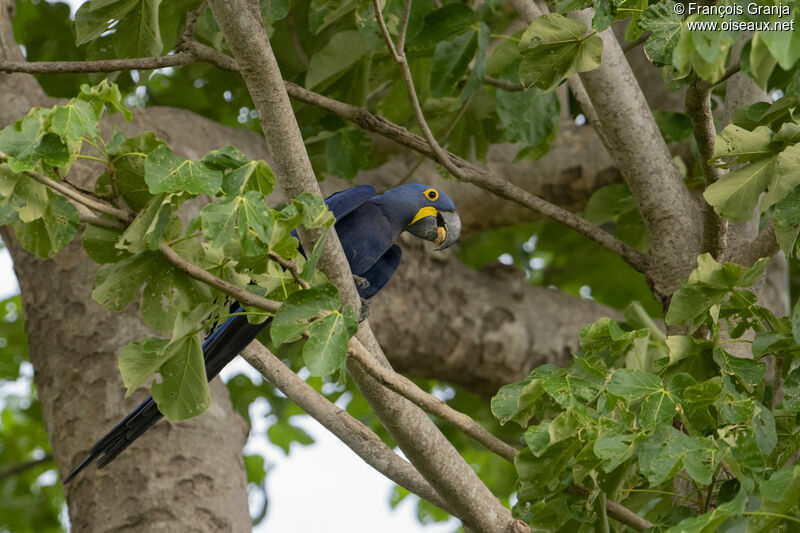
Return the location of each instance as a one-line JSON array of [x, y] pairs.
[[636, 409], [232, 237]]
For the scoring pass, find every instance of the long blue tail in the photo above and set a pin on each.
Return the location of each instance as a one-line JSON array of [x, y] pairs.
[[219, 349]]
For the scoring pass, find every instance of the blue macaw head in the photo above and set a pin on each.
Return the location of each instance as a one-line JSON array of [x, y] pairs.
[[423, 211]]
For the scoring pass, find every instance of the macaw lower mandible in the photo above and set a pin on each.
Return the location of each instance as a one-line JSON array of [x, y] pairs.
[[368, 226]]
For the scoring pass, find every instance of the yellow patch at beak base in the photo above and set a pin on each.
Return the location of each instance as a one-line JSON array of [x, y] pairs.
[[425, 212]]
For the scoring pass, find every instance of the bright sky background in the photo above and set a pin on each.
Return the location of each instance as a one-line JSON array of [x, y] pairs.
[[325, 485]]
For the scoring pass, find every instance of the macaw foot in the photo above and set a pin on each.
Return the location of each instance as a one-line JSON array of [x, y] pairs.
[[361, 283], [364, 310]]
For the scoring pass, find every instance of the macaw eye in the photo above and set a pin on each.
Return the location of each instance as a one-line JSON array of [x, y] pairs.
[[431, 194]]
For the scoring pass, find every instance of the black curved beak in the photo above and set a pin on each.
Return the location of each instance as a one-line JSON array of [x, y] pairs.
[[443, 229]]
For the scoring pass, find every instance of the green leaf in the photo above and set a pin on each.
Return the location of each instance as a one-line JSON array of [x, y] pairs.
[[735, 195], [129, 168], [94, 18], [744, 144], [749, 372], [517, 402], [219, 220], [107, 95], [443, 24], [516, 109], [275, 10], [602, 15], [779, 496], [100, 244], [783, 45], [347, 152], [283, 434], [167, 291], [668, 451], [249, 216], [252, 176], [139, 360], [23, 194], [167, 172], [553, 49], [225, 158], [450, 63], [615, 449], [607, 203], [183, 391], [137, 33], [665, 24], [634, 384], [53, 231], [711, 521], [326, 347], [148, 230], [787, 177], [764, 429], [75, 120], [313, 211], [761, 62], [254, 466], [294, 316], [711, 273], [28, 141], [323, 13], [340, 53]]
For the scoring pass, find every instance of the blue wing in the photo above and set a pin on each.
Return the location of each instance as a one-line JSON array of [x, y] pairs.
[[380, 272], [344, 202]]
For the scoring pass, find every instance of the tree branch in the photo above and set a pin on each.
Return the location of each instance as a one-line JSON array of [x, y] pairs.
[[411, 428], [399, 56], [352, 432], [291, 266], [467, 172], [698, 106], [508, 86], [17, 469], [429, 403], [669, 211]]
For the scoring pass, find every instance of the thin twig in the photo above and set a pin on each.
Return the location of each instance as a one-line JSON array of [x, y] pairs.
[[429, 403], [295, 37], [618, 512], [22, 467], [92, 203], [191, 22], [732, 69], [764, 245], [508, 86], [627, 47], [100, 65], [698, 106], [401, 38], [240, 295], [400, 57], [292, 267], [102, 222]]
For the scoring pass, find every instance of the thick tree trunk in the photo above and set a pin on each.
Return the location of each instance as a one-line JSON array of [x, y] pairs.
[[178, 477]]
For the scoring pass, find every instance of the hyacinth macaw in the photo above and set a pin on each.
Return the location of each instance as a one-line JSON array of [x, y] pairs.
[[368, 226]]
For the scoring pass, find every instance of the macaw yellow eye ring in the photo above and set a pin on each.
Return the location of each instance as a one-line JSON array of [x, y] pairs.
[[431, 194]]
